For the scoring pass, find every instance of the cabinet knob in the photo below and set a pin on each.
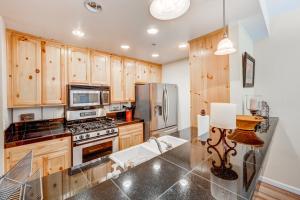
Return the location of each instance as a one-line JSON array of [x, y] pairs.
[[79, 59], [74, 75], [26, 58], [53, 78], [17, 95], [30, 77], [50, 61], [37, 71]]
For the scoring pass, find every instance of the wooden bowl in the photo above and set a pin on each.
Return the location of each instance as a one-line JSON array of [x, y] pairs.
[[248, 122]]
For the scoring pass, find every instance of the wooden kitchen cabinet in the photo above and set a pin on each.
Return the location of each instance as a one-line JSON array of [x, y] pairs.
[[131, 135], [53, 73], [49, 156], [129, 80], [55, 162], [100, 68], [142, 72], [25, 71], [155, 74], [116, 67], [78, 65]]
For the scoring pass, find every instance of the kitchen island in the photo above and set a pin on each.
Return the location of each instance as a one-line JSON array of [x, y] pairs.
[[192, 170]]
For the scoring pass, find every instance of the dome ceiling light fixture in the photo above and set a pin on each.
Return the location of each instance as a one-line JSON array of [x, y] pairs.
[[225, 46], [92, 6], [169, 9]]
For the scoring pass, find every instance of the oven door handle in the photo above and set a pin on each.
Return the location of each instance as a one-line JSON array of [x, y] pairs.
[[94, 140]]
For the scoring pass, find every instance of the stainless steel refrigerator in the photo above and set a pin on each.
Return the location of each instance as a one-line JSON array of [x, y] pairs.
[[157, 104]]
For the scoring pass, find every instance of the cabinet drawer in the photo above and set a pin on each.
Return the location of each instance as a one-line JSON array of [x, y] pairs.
[[131, 128]]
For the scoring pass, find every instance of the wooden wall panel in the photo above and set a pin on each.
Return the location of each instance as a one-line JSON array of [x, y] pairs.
[[209, 74]]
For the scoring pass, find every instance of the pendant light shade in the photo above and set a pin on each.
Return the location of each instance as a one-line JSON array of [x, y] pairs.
[[168, 9], [225, 46]]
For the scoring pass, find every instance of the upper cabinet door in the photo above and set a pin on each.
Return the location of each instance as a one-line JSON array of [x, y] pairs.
[[155, 74], [117, 94], [78, 66], [26, 71], [53, 71], [129, 80], [100, 68], [142, 72]]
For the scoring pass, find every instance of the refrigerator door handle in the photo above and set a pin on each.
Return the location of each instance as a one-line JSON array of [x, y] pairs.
[[164, 106], [167, 105]]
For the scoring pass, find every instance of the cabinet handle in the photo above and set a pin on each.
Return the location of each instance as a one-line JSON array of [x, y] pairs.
[[60, 168], [37, 71], [30, 77]]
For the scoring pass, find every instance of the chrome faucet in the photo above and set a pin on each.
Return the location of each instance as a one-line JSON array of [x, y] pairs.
[[157, 143]]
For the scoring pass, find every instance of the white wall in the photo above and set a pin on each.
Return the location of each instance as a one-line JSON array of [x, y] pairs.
[[243, 42], [178, 73], [277, 79]]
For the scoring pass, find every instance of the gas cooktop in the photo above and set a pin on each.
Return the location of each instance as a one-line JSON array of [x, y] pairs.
[[90, 128]]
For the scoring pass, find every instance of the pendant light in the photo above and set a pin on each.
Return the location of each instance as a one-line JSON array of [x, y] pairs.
[[225, 46], [168, 9]]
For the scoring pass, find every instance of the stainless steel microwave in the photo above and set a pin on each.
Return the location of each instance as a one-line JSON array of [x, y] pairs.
[[88, 96]]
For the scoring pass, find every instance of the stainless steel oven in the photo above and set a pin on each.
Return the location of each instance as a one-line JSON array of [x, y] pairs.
[[85, 151]]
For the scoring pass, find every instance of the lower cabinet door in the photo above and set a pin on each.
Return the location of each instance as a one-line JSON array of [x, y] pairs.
[[136, 138], [55, 162], [124, 141]]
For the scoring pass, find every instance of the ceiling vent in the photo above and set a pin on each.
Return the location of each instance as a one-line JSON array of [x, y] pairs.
[[92, 6]]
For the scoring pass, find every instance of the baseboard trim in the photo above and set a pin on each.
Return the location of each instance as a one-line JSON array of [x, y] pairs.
[[280, 185]]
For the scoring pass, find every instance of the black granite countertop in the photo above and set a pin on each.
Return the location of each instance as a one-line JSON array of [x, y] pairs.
[[30, 132], [189, 171]]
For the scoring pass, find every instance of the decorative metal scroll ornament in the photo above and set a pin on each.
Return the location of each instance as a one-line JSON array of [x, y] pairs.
[[224, 170]]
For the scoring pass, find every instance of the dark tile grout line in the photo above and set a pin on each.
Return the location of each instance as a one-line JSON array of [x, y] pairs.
[[219, 185], [188, 172], [119, 188], [191, 171]]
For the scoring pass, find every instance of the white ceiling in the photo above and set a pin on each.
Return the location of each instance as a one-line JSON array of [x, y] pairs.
[[122, 21]]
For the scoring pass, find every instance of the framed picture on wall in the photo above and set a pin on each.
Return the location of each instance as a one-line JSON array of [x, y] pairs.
[[248, 70]]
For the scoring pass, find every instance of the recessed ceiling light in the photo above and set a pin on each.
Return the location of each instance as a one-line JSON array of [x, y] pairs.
[[183, 45], [125, 46], [168, 9], [78, 33], [155, 55], [152, 31]]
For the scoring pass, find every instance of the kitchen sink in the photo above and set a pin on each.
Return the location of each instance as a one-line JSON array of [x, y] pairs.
[[138, 154], [164, 140], [132, 156]]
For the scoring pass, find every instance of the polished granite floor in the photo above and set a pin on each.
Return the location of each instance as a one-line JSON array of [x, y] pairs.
[[193, 170]]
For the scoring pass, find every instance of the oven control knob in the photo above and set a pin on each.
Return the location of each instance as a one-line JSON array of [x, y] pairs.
[[87, 135], [98, 134], [107, 131], [112, 130], [81, 137]]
